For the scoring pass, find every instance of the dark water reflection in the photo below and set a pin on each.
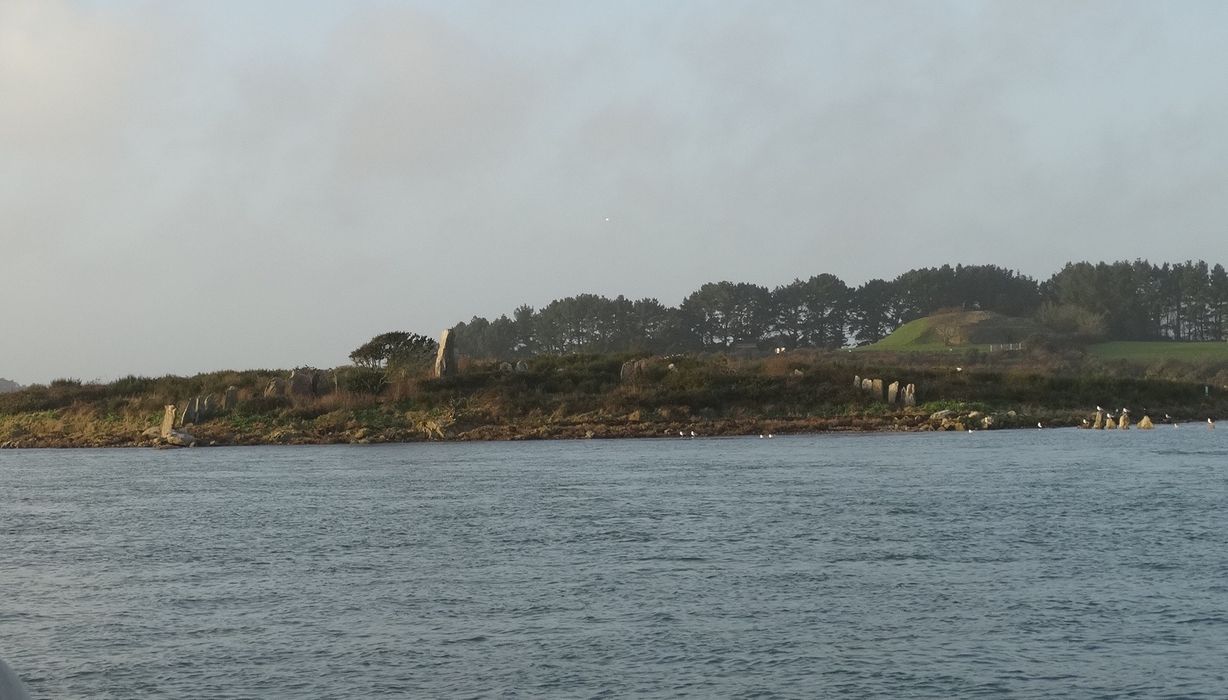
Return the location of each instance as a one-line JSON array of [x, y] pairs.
[[1031, 563]]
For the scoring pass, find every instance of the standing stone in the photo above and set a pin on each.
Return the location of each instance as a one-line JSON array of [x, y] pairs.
[[876, 386], [1098, 424], [1145, 423], [522, 366], [302, 382], [168, 419], [208, 406], [230, 398], [867, 385], [188, 415], [1123, 423], [910, 395], [893, 392], [276, 387], [445, 359], [856, 381]]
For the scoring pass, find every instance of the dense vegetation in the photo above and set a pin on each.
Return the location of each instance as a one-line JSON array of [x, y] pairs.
[[1118, 301]]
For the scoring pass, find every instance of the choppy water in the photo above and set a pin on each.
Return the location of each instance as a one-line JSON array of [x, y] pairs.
[[1032, 563]]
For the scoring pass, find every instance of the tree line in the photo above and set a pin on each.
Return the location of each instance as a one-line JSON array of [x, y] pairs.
[[1121, 300]]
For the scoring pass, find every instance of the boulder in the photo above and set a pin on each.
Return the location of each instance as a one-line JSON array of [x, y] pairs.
[[987, 422], [445, 358], [856, 381], [893, 392], [1109, 423], [1123, 423], [1098, 423], [941, 415], [506, 367], [276, 387], [867, 385], [522, 366], [180, 439], [1145, 423]]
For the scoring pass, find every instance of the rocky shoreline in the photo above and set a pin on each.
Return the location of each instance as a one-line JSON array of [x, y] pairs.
[[221, 433]]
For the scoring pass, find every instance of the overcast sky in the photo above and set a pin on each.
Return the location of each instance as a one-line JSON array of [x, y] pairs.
[[188, 186]]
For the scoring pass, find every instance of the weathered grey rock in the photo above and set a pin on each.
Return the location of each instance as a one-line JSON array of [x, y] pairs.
[[522, 366], [876, 387], [168, 420], [445, 359], [856, 381], [189, 413], [208, 407], [893, 392], [633, 370], [940, 415], [302, 382], [506, 367], [987, 422], [180, 439], [910, 395], [230, 399], [276, 387], [867, 385]]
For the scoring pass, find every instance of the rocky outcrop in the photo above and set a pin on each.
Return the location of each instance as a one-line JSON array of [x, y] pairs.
[[8, 385], [445, 358]]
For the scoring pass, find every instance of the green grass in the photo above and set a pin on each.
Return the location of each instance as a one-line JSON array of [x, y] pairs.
[[1153, 351], [907, 336]]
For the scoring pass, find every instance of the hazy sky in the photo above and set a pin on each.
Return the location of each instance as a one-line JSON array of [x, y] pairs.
[[196, 186]]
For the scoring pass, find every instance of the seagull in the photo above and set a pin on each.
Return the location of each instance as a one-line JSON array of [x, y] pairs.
[[1099, 409], [1039, 426], [761, 436], [771, 435], [680, 434], [1210, 424], [692, 433]]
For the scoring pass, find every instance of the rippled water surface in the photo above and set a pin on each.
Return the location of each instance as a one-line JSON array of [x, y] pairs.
[[1032, 563]]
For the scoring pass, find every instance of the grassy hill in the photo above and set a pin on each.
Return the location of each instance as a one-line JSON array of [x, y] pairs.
[[964, 330]]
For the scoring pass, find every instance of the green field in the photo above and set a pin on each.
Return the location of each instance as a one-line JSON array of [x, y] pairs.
[[1155, 351]]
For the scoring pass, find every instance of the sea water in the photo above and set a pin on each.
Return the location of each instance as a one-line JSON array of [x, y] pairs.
[[1035, 563]]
